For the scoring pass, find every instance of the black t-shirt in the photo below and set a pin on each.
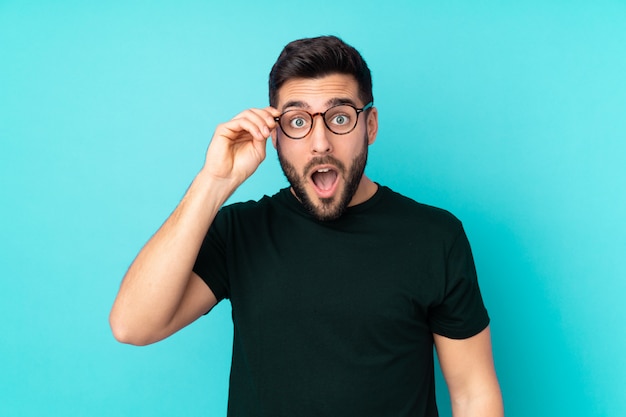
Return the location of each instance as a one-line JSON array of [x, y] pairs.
[[336, 318]]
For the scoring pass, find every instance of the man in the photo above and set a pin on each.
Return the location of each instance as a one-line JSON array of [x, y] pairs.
[[339, 286]]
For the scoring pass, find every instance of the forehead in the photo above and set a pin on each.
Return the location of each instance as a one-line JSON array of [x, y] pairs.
[[317, 93]]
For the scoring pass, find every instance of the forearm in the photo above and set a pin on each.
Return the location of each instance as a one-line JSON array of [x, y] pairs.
[[154, 285]]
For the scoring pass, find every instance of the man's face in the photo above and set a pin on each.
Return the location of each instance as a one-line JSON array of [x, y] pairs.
[[325, 170]]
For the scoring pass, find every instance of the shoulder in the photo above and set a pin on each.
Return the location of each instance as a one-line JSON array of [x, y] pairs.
[[425, 216], [252, 210]]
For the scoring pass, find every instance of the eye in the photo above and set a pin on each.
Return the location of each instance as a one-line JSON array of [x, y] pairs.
[[297, 120], [340, 119], [297, 123]]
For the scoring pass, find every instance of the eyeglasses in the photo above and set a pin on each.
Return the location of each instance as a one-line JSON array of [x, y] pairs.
[[340, 120]]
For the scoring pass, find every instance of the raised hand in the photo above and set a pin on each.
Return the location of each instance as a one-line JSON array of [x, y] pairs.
[[238, 146]]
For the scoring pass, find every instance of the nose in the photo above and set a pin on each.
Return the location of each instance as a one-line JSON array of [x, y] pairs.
[[319, 136]]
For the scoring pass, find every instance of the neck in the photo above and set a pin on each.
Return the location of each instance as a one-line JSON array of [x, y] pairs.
[[367, 189]]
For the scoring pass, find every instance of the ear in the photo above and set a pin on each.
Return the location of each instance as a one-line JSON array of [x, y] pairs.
[[274, 138], [372, 125]]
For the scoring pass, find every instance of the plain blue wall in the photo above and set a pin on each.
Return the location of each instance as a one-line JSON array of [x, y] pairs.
[[511, 116]]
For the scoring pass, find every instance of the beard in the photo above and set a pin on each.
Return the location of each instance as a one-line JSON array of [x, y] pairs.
[[330, 208]]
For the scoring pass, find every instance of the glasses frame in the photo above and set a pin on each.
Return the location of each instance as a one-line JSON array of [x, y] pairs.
[[323, 114]]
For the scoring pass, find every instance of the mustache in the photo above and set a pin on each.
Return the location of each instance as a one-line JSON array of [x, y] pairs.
[[325, 160]]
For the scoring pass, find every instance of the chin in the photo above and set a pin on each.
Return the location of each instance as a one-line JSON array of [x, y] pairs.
[[326, 208]]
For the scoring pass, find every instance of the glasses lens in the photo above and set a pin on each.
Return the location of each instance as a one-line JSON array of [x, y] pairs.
[[295, 123], [341, 119]]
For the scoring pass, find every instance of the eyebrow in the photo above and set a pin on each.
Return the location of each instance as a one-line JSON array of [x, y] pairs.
[[296, 103], [335, 101]]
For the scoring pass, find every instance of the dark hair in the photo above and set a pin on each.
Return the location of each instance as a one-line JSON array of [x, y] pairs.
[[318, 57]]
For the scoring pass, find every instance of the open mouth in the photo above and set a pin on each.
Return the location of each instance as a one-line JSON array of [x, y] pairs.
[[325, 181]]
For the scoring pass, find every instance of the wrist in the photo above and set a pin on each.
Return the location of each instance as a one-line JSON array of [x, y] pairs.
[[213, 188]]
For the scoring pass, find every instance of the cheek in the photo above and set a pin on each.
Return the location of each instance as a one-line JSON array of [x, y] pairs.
[[355, 147], [290, 150]]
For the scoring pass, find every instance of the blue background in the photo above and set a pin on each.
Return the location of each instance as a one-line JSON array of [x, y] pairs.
[[512, 116]]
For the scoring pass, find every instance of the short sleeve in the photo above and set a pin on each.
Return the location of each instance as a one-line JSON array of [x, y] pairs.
[[461, 312], [211, 263]]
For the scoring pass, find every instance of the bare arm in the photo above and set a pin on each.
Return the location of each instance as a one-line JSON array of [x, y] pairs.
[[468, 368], [160, 294]]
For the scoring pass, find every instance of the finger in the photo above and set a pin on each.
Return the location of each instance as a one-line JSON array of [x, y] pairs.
[[274, 114], [240, 128], [269, 114], [262, 118], [273, 111]]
